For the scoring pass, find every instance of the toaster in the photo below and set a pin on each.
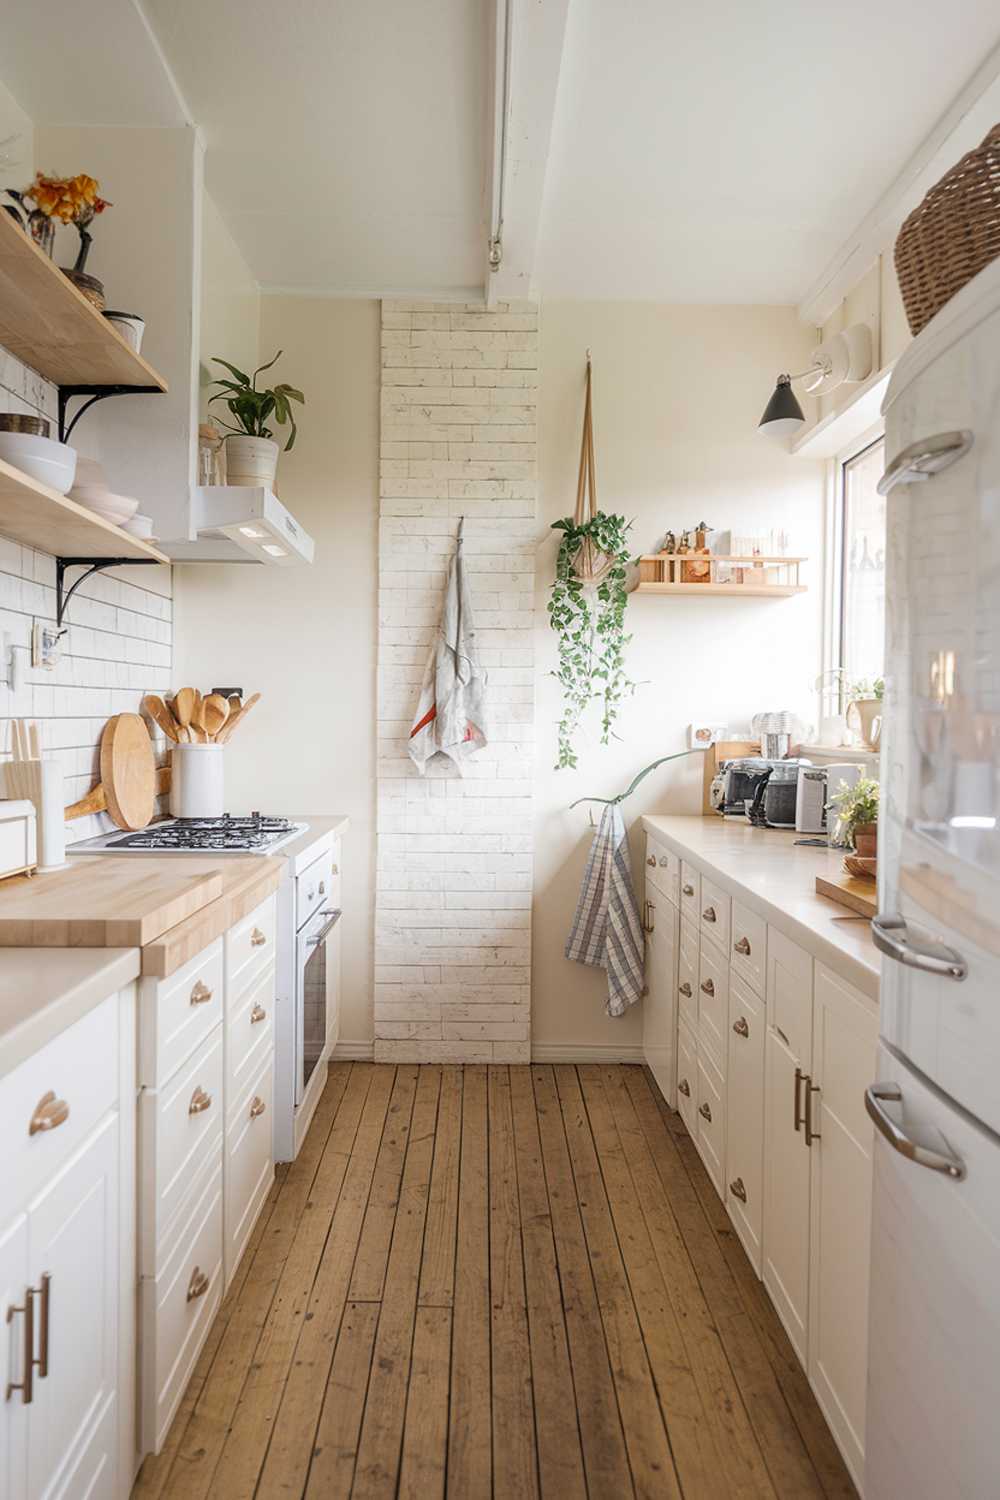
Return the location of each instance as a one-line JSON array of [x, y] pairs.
[[17, 838]]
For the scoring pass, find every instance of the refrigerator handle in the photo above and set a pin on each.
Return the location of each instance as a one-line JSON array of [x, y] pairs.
[[879, 1094], [890, 937], [924, 458]]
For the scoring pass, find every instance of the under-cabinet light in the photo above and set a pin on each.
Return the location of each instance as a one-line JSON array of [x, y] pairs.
[[274, 551], [250, 531]]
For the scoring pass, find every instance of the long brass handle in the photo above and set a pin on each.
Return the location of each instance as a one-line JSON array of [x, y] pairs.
[[703, 1109], [201, 994], [797, 1109], [811, 1088], [738, 1190], [43, 1329], [688, 889], [49, 1114], [684, 1088], [257, 938], [707, 987], [742, 945], [200, 1101], [650, 923], [257, 1014], [26, 1383], [257, 1107], [708, 915], [740, 1026], [685, 990], [198, 1285]]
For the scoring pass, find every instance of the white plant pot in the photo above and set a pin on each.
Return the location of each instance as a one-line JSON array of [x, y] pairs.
[[251, 460], [197, 783]]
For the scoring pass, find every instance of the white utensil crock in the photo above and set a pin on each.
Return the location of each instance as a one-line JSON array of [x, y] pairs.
[[197, 783]]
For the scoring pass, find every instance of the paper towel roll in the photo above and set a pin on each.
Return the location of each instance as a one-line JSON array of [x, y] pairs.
[[41, 781]]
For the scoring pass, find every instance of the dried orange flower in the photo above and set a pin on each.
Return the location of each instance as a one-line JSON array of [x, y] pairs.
[[71, 200]]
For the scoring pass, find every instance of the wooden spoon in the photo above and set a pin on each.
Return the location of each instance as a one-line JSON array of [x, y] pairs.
[[185, 703], [160, 714], [183, 737], [214, 713], [236, 718]]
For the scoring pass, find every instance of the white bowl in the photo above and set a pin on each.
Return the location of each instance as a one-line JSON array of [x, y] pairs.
[[115, 508], [41, 458], [140, 526], [130, 325], [90, 472]]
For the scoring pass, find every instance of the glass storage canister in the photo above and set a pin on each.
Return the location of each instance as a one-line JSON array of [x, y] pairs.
[[211, 455]]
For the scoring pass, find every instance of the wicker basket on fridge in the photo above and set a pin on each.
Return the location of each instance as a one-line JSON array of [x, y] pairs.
[[952, 234]]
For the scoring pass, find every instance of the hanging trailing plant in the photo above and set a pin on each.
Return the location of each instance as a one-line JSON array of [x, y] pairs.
[[589, 619]]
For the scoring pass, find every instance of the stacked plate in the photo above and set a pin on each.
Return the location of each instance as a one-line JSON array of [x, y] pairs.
[[91, 490]]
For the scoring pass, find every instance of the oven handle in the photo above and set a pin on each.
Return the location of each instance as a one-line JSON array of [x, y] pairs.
[[313, 942]]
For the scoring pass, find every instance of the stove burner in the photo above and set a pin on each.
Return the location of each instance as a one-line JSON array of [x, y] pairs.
[[250, 833]]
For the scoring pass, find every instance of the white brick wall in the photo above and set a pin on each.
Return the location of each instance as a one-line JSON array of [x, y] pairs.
[[118, 646], [453, 898]]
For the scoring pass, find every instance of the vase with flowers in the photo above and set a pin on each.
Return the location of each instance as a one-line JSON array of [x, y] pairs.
[[67, 200]]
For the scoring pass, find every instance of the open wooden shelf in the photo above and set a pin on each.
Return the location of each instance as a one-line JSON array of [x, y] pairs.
[[48, 324], [748, 577], [39, 517]]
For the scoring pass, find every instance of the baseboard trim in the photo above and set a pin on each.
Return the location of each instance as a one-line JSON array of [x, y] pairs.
[[559, 1052], [353, 1052]]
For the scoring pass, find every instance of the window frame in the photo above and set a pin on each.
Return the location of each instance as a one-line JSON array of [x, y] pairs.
[[836, 561]]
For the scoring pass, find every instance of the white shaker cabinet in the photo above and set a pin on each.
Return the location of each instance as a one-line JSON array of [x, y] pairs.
[[745, 1135], [659, 1014]]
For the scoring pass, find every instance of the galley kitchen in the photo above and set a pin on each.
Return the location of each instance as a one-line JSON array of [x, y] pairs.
[[499, 751]]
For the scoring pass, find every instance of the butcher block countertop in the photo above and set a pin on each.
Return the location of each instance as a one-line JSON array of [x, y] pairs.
[[104, 903], [774, 875], [247, 879], [41, 994]]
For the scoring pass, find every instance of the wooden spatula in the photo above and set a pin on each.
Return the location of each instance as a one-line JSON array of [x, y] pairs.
[[185, 702], [160, 714], [236, 718], [214, 713]]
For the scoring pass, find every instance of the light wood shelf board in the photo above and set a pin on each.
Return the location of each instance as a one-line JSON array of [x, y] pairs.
[[729, 590], [48, 324], [39, 517]]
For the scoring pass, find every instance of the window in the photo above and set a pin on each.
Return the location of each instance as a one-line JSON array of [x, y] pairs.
[[858, 636]]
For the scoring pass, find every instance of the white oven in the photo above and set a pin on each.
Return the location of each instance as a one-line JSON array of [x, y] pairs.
[[313, 967]]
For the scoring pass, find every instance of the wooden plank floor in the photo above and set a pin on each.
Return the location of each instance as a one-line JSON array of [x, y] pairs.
[[496, 1282]]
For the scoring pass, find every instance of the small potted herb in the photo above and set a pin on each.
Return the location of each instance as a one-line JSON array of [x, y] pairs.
[[251, 455], [856, 808]]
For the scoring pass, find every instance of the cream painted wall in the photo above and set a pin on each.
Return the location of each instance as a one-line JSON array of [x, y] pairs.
[[230, 302], [305, 637], [17, 157], [678, 392]]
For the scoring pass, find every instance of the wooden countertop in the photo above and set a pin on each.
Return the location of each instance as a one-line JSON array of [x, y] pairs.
[[247, 879], [107, 902], [777, 877], [41, 993]]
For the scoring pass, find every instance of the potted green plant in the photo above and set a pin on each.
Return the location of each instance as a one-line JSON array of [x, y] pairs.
[[251, 453], [856, 808]]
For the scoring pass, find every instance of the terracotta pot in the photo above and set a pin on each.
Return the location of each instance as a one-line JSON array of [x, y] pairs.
[[865, 838]]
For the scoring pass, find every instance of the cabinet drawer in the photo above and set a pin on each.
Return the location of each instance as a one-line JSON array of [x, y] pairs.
[[690, 891], [250, 947], [687, 1078], [687, 975], [713, 1004], [62, 1091], [177, 1310], [180, 1126], [711, 1137], [663, 868], [249, 1038], [249, 1169], [745, 1111], [748, 947], [178, 1013], [790, 995], [713, 905]]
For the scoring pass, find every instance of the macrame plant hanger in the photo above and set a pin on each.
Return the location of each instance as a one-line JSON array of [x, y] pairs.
[[589, 564]]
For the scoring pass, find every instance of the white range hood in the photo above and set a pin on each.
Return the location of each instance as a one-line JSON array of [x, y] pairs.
[[242, 523]]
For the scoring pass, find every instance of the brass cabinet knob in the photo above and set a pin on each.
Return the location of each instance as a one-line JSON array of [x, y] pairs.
[[708, 915], [651, 861], [201, 994], [740, 1027], [198, 1285], [742, 945], [335, 870], [257, 1014], [738, 1190], [49, 1114], [708, 987], [257, 938], [688, 890], [705, 1112], [200, 1101], [684, 1088], [257, 1107], [685, 990]]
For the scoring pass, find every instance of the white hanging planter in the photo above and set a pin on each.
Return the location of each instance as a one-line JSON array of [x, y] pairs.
[[251, 460]]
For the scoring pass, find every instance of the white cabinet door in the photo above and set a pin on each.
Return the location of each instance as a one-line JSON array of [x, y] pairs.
[[659, 1012], [13, 1356], [845, 1041], [787, 1161], [687, 1078], [73, 1241], [745, 1110]]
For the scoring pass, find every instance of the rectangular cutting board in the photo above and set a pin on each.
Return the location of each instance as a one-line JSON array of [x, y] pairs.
[[857, 895], [102, 902]]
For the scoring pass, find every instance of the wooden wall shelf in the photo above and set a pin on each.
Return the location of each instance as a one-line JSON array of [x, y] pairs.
[[51, 326], [33, 514], [727, 575]]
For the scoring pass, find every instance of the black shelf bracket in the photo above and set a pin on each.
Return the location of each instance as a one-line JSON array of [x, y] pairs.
[[95, 393], [91, 565]]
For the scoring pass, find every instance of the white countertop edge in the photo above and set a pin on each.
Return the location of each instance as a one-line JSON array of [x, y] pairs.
[[861, 972], [43, 991], [322, 830]]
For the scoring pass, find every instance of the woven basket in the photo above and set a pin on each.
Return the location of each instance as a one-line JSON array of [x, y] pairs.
[[952, 234]]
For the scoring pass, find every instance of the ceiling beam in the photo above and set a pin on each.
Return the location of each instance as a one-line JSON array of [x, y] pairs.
[[528, 53]]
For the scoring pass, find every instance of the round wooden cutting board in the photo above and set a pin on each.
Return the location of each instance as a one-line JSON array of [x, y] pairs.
[[128, 771]]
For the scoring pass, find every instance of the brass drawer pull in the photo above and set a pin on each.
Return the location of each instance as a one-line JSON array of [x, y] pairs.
[[257, 1014], [742, 945], [200, 1101], [685, 990], [797, 1108], [198, 1285], [43, 1334], [649, 924], [27, 1381], [707, 987], [684, 1088], [50, 1113], [740, 1027], [708, 915], [651, 861], [688, 890], [335, 870], [257, 938], [811, 1088], [705, 1112], [257, 1107], [738, 1190], [200, 994]]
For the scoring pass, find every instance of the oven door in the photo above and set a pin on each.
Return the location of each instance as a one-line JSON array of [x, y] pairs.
[[311, 995]]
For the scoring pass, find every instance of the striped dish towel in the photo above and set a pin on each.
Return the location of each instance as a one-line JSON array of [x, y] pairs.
[[607, 930]]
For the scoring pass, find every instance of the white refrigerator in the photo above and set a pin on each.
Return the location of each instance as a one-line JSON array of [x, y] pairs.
[[933, 1419]]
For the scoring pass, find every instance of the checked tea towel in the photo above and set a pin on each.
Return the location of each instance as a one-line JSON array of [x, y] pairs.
[[607, 930]]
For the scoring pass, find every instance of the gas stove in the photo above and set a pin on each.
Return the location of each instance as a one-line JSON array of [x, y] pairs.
[[255, 834]]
